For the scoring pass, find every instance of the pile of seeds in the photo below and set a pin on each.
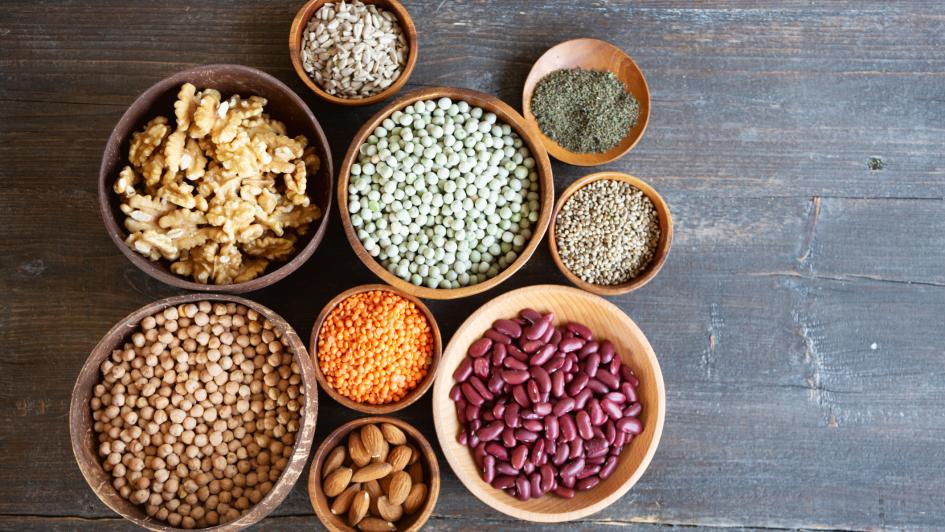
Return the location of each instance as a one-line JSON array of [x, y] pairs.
[[443, 194], [607, 232], [585, 111], [353, 50], [196, 416], [375, 347], [376, 479]]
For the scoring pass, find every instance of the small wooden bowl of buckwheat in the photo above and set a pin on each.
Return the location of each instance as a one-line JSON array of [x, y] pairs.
[[610, 233], [353, 53]]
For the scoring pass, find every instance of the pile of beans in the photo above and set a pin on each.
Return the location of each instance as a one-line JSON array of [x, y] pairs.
[[545, 409], [196, 416]]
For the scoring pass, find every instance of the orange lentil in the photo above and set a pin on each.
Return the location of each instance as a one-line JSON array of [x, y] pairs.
[[375, 347]]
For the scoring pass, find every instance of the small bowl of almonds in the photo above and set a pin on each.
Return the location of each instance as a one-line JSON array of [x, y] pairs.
[[374, 474], [353, 52]]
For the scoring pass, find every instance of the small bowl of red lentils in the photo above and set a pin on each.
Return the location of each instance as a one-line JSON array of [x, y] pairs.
[[375, 349]]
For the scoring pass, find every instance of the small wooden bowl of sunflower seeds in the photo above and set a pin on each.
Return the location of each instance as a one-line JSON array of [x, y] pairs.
[[610, 233]]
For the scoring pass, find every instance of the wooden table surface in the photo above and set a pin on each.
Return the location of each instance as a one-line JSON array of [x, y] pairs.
[[799, 321]]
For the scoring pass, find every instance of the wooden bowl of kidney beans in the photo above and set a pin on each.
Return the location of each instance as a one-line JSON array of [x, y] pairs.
[[549, 403]]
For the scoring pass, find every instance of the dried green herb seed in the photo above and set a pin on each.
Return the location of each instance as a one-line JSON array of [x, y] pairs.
[[585, 111], [607, 232]]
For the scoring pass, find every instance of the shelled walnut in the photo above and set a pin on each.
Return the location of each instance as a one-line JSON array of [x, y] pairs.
[[220, 193]]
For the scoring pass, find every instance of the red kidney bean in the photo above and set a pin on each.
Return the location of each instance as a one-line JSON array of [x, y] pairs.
[[462, 437], [561, 455], [553, 365], [606, 351], [525, 435], [583, 422], [563, 406], [612, 409], [508, 327], [568, 345], [491, 431], [530, 414], [581, 330], [517, 353], [532, 346], [568, 428], [597, 386], [580, 400], [464, 370], [529, 314], [625, 372], [587, 483], [480, 347], [508, 437], [511, 416], [589, 470], [576, 449], [564, 492], [497, 337], [499, 353], [596, 459], [591, 364], [616, 397], [496, 384], [589, 349], [479, 452], [497, 451], [480, 387], [598, 417], [572, 468], [515, 364], [547, 474], [598, 432], [528, 468], [474, 440], [498, 409], [551, 446], [619, 440], [610, 431], [538, 451], [518, 456], [629, 392], [557, 384], [577, 385], [537, 330], [471, 394], [474, 425], [533, 425], [488, 468], [513, 376], [567, 366], [520, 396], [610, 465], [568, 481], [472, 413], [487, 416], [534, 394], [551, 427], [541, 378], [612, 382], [503, 482], [456, 392], [523, 488], [631, 425], [596, 446], [505, 468], [541, 409], [543, 355], [615, 367], [534, 480], [481, 367], [551, 336], [633, 410]]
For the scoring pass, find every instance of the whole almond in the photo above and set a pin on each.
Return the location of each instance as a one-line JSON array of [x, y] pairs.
[[359, 507], [416, 498], [393, 434], [342, 502], [334, 460], [337, 481], [356, 450], [374, 489], [415, 456], [399, 488], [373, 440], [416, 472], [374, 524], [385, 482], [385, 451], [388, 510], [399, 457], [372, 471]]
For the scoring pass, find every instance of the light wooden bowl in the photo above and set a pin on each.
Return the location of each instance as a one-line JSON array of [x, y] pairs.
[[84, 441], [590, 54], [659, 255], [431, 469], [295, 50], [283, 104], [414, 394], [606, 321], [505, 114]]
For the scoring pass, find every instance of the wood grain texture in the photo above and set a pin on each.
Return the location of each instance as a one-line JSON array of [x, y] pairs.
[[791, 257]]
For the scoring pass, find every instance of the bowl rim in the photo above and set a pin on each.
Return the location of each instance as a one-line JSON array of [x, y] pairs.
[[558, 151], [407, 25], [414, 394], [116, 230], [516, 122], [442, 406], [663, 246], [79, 407], [320, 503]]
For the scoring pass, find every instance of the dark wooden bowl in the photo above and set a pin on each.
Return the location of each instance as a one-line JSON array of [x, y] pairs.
[[506, 114], [414, 394], [590, 54], [295, 50], [431, 468], [659, 255], [84, 442], [283, 105]]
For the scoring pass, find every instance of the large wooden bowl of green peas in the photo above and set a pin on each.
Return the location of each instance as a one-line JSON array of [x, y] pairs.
[[445, 192]]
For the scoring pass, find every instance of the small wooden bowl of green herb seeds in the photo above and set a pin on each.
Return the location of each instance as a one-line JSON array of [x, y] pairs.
[[610, 233], [588, 101]]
